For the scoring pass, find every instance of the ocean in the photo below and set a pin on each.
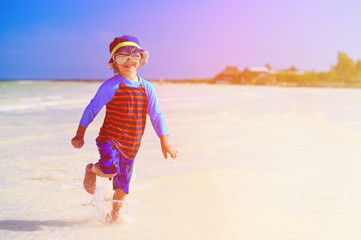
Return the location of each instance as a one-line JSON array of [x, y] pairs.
[[254, 162]]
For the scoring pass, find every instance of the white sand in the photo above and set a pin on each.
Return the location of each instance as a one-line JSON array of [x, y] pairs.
[[254, 163]]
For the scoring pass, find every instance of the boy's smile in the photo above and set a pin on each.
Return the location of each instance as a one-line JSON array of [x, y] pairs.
[[130, 65]]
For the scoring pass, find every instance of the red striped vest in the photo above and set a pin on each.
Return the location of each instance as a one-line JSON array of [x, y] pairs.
[[125, 119]]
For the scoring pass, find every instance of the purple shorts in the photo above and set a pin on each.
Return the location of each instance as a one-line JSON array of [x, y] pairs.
[[112, 161]]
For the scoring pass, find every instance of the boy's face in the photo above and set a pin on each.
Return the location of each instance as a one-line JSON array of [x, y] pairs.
[[130, 65]]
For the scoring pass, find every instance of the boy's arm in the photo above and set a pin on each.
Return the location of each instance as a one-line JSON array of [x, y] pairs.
[[158, 122], [78, 140]]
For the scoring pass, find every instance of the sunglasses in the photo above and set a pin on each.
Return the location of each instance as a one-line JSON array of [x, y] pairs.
[[121, 59]]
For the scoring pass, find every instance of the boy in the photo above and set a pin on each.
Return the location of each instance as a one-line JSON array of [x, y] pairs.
[[128, 98]]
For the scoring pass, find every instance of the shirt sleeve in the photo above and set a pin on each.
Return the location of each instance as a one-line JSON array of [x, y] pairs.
[[104, 94], [154, 111]]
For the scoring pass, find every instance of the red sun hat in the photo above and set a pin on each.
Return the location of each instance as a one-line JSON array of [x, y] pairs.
[[128, 45]]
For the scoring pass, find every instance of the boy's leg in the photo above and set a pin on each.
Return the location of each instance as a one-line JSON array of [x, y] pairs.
[[91, 171], [118, 199], [121, 185]]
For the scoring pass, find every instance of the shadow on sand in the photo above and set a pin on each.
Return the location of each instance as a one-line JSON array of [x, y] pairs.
[[33, 225]]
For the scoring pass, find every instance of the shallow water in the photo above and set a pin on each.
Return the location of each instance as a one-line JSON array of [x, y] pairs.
[[254, 163]]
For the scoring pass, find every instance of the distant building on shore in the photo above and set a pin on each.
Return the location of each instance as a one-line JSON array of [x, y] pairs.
[[252, 76], [260, 76], [229, 75]]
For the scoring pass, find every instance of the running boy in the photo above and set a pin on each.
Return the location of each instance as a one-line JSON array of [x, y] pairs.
[[128, 99]]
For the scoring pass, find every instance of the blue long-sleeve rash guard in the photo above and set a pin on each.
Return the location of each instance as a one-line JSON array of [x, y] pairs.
[[106, 93]]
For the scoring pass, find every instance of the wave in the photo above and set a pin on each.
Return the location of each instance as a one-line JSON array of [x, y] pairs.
[[25, 82], [38, 102], [22, 139]]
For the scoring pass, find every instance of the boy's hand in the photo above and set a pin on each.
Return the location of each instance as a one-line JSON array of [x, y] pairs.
[[167, 148], [77, 142]]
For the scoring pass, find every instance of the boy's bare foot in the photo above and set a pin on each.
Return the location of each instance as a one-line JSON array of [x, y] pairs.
[[89, 179], [113, 217]]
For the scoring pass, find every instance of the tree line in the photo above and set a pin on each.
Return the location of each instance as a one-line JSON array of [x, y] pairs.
[[346, 72]]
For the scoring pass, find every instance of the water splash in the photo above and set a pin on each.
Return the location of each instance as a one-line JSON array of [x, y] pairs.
[[102, 202]]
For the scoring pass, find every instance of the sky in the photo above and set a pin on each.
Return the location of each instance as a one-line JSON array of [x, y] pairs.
[[42, 39]]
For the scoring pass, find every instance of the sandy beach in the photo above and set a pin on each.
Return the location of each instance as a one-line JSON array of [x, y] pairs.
[[255, 163]]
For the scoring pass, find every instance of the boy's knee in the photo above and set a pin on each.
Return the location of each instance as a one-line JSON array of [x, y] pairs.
[[97, 170], [119, 194], [111, 175]]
